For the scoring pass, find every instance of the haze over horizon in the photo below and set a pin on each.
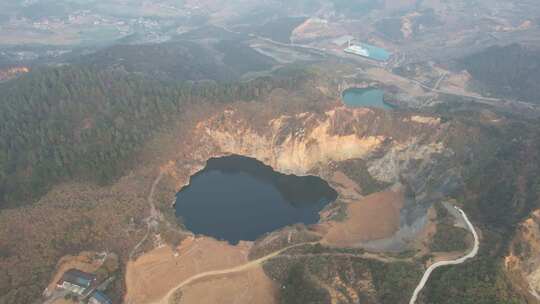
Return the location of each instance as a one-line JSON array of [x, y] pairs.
[[318, 151]]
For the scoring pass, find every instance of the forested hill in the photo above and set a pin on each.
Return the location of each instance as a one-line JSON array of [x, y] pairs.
[[510, 71], [75, 122], [223, 61]]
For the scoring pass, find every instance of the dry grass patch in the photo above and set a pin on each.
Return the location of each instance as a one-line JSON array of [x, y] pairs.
[[252, 286], [153, 275], [377, 216]]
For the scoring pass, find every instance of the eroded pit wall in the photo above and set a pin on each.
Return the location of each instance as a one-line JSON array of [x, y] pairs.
[[399, 148]]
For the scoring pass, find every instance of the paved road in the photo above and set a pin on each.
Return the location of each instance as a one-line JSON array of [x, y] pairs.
[[461, 260]]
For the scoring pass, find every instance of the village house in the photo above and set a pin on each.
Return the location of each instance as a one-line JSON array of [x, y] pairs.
[[76, 281]]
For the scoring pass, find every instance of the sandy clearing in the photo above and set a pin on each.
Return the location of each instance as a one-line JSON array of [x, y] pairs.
[[220, 272], [63, 301], [153, 275], [377, 216], [387, 77], [251, 286], [457, 83]]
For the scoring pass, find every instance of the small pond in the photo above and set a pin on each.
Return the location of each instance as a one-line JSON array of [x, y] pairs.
[[238, 198], [365, 97], [376, 53]]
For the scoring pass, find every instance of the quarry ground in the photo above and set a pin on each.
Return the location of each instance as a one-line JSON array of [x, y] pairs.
[[155, 276], [198, 263], [293, 136], [307, 138]]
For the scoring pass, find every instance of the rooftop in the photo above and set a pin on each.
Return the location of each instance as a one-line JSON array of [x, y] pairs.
[[100, 297], [77, 277]]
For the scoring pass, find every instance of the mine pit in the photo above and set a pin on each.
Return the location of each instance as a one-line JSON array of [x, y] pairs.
[[236, 198]]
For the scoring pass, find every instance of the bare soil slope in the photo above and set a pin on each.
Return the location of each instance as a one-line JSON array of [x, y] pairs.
[[372, 218]]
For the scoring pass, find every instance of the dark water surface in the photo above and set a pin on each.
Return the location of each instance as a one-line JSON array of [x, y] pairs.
[[365, 97], [239, 198]]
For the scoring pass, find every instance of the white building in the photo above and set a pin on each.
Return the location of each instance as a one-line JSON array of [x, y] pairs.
[[357, 50]]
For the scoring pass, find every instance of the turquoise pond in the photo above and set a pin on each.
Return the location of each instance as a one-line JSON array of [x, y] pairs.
[[365, 97], [376, 52]]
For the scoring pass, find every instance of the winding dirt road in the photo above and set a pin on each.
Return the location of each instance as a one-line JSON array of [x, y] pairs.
[[240, 268], [260, 261], [461, 260], [153, 217], [151, 221]]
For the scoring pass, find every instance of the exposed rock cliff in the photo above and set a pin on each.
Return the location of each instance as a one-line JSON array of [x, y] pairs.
[[300, 143], [398, 148], [292, 144], [524, 259]]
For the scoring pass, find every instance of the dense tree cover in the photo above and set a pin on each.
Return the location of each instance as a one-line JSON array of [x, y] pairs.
[[448, 237], [177, 61], [502, 186], [394, 282], [183, 59], [390, 27], [509, 71], [212, 32], [309, 279], [84, 122], [479, 282], [279, 29], [242, 58], [298, 288], [356, 8]]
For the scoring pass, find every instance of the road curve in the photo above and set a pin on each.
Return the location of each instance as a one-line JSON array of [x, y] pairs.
[[461, 260], [240, 268]]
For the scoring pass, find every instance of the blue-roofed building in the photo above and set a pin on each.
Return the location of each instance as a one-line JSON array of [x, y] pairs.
[[76, 281], [368, 51], [99, 298]]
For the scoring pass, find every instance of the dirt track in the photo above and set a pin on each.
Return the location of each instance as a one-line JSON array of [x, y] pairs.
[[199, 261], [236, 269], [152, 219], [250, 286], [154, 274]]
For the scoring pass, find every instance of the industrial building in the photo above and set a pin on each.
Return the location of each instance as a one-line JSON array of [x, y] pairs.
[[357, 50], [76, 281], [368, 51]]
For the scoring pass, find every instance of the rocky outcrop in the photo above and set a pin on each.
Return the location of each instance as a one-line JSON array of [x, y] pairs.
[[292, 144], [10, 73], [524, 258], [300, 143], [398, 148]]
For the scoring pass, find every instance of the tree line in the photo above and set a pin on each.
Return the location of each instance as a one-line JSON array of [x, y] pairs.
[[75, 121]]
